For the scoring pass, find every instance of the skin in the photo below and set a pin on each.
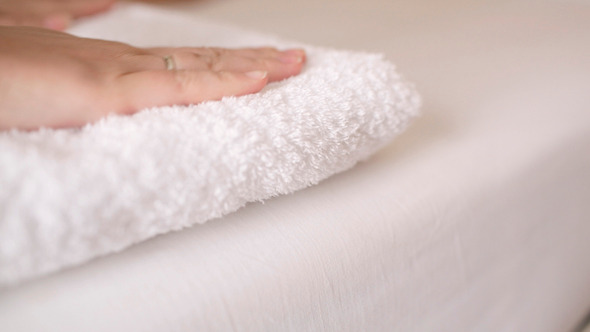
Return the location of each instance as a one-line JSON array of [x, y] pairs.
[[52, 14], [53, 79]]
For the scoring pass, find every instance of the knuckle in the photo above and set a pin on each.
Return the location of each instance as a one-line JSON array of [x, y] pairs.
[[208, 62], [220, 76], [216, 64], [261, 63], [217, 52], [270, 50], [182, 82]]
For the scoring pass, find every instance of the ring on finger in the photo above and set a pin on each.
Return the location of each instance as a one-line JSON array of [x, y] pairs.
[[170, 63]]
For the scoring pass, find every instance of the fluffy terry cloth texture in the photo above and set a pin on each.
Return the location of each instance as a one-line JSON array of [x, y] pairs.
[[70, 195]]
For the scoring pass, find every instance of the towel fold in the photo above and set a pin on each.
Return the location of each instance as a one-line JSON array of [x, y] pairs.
[[67, 196]]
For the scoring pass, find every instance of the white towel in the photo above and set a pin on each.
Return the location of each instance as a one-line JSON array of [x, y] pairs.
[[67, 196]]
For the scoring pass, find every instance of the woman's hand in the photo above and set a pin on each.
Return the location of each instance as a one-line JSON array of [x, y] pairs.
[[53, 79], [52, 14]]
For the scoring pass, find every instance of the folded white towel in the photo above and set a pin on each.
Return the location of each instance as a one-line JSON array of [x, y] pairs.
[[67, 196]]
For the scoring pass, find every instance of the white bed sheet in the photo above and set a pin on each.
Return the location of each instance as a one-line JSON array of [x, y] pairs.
[[476, 219]]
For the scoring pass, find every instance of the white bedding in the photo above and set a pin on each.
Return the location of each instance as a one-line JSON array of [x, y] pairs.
[[476, 219], [168, 168]]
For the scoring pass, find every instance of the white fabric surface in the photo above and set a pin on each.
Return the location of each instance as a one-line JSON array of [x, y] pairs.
[[72, 195], [476, 219]]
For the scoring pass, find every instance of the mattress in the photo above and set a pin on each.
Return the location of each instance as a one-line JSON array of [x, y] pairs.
[[475, 219]]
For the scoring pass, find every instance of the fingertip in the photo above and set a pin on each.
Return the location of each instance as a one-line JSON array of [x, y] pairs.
[[292, 56], [288, 63], [257, 75], [58, 22], [255, 81]]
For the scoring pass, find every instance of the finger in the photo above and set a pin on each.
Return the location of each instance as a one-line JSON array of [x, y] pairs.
[[259, 52], [277, 69], [289, 55], [54, 21], [182, 87], [272, 53], [58, 22], [254, 53], [6, 21], [82, 8], [20, 21], [279, 65]]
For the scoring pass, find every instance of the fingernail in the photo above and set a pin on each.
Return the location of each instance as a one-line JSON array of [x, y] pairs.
[[291, 56], [257, 74], [290, 59], [294, 51]]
